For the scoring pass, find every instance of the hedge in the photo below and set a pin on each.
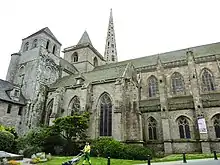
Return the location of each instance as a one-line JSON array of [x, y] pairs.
[[104, 147]]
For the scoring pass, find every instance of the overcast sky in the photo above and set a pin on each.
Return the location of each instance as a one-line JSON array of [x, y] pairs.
[[142, 27]]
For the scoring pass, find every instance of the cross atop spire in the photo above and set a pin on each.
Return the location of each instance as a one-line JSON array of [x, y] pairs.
[[110, 47], [84, 39]]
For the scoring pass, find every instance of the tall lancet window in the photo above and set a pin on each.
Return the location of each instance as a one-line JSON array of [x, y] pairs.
[[217, 125], [74, 105], [184, 128], [207, 81], [105, 128], [152, 128], [49, 111], [177, 83], [153, 86]]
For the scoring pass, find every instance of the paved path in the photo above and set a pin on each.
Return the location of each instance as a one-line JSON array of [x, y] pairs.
[[190, 162]]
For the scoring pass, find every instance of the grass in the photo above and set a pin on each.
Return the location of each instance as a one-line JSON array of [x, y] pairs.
[[176, 157], [95, 161], [103, 161]]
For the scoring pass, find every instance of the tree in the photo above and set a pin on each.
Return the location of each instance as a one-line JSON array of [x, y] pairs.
[[72, 128]]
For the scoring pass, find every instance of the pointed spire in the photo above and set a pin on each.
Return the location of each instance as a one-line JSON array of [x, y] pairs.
[[84, 39], [110, 47]]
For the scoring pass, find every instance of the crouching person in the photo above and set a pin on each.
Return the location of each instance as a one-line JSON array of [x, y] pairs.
[[86, 151]]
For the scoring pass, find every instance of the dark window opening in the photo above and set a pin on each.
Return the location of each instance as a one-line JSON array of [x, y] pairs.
[[177, 82], [152, 128], [105, 115], [74, 105], [95, 61], [20, 110], [49, 112], [9, 108], [47, 46], [217, 125], [153, 86], [112, 45], [54, 49], [108, 43], [26, 46], [75, 57], [207, 81], [34, 45], [113, 58], [184, 129], [16, 93]]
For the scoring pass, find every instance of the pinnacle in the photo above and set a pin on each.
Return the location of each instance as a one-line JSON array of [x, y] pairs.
[[84, 39]]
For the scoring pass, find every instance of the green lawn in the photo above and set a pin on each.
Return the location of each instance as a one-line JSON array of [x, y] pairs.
[[95, 161], [103, 161]]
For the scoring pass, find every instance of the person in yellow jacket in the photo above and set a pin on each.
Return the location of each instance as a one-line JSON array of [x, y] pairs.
[[86, 151]]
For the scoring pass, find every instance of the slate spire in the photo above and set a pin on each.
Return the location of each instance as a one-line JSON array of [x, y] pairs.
[[84, 39], [110, 54]]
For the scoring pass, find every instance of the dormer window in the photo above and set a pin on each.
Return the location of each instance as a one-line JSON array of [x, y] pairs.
[[79, 79], [34, 45], [26, 46], [16, 93]]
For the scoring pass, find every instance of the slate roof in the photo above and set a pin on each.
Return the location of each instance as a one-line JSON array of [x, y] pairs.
[[84, 39], [115, 70], [92, 76], [198, 51], [5, 88]]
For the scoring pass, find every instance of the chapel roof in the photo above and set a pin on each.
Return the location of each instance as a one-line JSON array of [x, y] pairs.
[[5, 88], [115, 70]]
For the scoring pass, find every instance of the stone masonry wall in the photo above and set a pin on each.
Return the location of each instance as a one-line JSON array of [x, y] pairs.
[[12, 118]]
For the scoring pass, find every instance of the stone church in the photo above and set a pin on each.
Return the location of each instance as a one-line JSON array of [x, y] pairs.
[[169, 101]]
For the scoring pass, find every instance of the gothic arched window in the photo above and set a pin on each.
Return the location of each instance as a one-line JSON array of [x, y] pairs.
[[74, 57], [207, 81], [95, 61], [74, 105], [177, 83], [34, 44], [152, 128], [49, 111], [217, 125], [105, 115], [26, 46], [54, 49], [152, 86], [184, 129]]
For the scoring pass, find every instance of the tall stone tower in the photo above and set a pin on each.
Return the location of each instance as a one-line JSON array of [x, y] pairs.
[[110, 47], [34, 67]]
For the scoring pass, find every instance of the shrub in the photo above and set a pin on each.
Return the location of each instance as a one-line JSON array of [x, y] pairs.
[[109, 147], [6, 141], [30, 150]]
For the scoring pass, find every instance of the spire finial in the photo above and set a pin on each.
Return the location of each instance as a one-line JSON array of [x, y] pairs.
[[110, 47]]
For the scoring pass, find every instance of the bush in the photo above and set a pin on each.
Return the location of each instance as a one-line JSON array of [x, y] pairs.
[[6, 141], [29, 151], [109, 147]]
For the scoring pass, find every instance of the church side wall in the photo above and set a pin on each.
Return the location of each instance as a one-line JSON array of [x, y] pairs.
[[180, 145], [9, 119]]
